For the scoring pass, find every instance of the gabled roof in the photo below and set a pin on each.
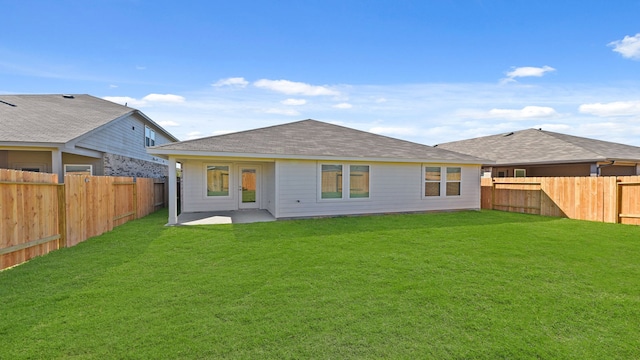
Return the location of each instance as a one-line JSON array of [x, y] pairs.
[[536, 146], [311, 139], [57, 118]]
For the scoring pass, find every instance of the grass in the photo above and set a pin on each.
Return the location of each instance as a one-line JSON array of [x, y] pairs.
[[248, 196], [481, 285]]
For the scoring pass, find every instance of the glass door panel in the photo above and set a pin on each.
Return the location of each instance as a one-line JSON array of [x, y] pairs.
[[248, 185]]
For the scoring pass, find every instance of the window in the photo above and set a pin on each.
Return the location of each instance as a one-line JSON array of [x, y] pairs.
[[149, 136], [217, 180], [78, 169], [435, 183], [358, 181], [519, 173], [432, 181], [453, 181], [331, 182]]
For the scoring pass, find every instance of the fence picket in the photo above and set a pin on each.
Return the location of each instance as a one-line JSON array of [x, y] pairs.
[[605, 199], [38, 215]]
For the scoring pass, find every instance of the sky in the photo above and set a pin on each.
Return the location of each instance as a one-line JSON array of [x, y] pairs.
[[429, 71]]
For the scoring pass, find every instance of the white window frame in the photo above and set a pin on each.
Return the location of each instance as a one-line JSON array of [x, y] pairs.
[[349, 183], [22, 166], [81, 172], [149, 136], [320, 165], [447, 181], [517, 171], [346, 182], [442, 182], [425, 181], [230, 182]]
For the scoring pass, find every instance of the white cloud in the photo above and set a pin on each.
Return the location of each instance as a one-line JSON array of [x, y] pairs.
[[145, 101], [164, 98], [381, 100], [617, 108], [294, 88], [527, 112], [141, 67], [125, 100], [294, 102], [628, 47], [343, 106], [287, 112], [112, 86], [527, 71], [168, 123], [233, 81], [423, 113]]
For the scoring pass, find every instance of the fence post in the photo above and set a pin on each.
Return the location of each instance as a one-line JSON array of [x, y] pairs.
[[493, 193], [62, 216], [618, 201], [135, 198]]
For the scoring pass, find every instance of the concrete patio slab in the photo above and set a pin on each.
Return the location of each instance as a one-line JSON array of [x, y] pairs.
[[224, 217]]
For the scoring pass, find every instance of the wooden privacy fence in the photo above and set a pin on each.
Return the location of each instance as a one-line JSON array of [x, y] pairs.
[[606, 199], [38, 215]]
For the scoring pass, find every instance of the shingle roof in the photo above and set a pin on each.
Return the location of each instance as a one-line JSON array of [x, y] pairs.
[[533, 146], [314, 139], [54, 118]]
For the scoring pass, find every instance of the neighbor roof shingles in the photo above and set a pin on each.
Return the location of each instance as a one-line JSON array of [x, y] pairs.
[[54, 118], [314, 138], [534, 146]]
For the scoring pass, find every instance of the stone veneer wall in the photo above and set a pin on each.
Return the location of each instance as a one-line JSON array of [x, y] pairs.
[[118, 165]]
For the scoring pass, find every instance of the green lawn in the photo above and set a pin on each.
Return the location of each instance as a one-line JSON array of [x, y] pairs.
[[248, 196], [468, 285]]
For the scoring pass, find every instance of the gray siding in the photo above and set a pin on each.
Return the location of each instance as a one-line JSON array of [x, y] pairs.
[[290, 189], [394, 187], [124, 137]]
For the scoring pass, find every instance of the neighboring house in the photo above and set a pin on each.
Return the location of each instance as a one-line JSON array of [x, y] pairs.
[[310, 168], [64, 134], [535, 152]]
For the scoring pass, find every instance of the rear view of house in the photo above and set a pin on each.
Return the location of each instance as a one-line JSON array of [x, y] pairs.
[[65, 134], [310, 168]]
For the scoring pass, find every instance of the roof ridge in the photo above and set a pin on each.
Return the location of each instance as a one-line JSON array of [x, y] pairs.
[[573, 139], [233, 133]]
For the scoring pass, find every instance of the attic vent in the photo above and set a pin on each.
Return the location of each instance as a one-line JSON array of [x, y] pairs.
[[68, 96], [7, 103], [509, 134]]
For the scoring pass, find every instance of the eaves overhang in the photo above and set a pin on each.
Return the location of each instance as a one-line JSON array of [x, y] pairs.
[[553, 162], [208, 154]]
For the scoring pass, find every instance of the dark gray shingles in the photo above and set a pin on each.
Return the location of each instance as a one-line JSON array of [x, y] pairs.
[[315, 138], [54, 118], [539, 146]]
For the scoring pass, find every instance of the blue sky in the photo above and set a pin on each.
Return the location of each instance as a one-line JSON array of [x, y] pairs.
[[426, 71]]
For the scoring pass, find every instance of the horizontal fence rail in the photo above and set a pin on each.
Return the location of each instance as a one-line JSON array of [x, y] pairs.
[[39, 215], [604, 198]]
